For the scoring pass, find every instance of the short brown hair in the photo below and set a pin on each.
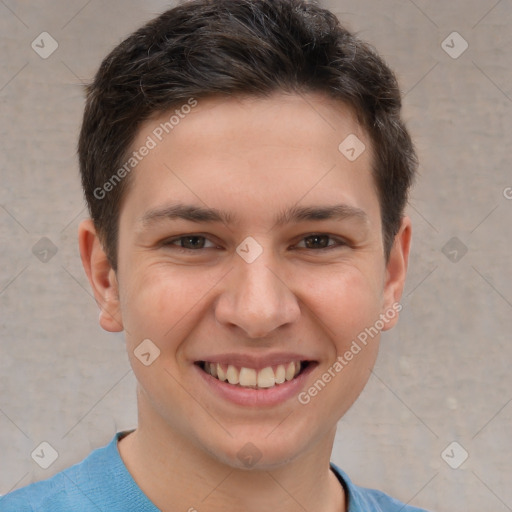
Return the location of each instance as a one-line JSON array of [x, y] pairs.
[[205, 48]]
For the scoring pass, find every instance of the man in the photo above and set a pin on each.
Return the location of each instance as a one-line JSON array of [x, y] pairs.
[[246, 170]]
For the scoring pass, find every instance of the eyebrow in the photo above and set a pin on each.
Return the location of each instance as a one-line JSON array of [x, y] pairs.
[[293, 214]]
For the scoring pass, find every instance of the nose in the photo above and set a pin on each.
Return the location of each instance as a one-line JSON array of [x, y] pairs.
[[256, 297]]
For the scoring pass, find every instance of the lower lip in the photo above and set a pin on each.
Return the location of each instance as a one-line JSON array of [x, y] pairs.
[[256, 397]]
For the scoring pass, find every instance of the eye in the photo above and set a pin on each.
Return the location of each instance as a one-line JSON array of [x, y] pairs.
[[320, 241], [188, 242], [194, 243]]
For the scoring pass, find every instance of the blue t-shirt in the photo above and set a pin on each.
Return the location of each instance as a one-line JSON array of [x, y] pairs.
[[102, 483]]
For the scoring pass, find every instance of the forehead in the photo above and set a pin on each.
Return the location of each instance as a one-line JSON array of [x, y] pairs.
[[254, 152]]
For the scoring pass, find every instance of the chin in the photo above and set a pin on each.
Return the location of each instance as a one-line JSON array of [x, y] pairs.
[[248, 450]]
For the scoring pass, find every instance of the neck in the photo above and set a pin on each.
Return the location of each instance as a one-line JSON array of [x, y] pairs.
[[176, 474]]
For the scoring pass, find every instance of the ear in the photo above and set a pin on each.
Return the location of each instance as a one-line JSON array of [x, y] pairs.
[[102, 276], [396, 270]]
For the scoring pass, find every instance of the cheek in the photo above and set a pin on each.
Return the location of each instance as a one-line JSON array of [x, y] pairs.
[[159, 301], [345, 300], [346, 308], [164, 304]]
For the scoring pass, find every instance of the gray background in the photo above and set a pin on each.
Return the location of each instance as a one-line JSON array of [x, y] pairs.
[[442, 373]]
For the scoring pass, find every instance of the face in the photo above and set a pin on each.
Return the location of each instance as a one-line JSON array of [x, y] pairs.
[[251, 246]]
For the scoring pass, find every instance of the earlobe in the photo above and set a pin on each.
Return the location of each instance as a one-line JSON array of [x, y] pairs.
[[396, 271], [101, 275]]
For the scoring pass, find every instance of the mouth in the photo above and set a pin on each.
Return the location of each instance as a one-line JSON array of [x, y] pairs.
[[252, 378]]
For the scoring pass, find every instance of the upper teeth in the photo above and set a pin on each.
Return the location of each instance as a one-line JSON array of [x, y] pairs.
[[249, 377]]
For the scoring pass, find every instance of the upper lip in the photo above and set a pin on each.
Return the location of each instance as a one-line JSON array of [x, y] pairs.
[[254, 361]]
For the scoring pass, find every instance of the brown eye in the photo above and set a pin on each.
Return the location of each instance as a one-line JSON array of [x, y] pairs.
[[192, 242], [320, 241], [189, 242]]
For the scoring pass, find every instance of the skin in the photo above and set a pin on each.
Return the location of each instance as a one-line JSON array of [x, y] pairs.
[[253, 158]]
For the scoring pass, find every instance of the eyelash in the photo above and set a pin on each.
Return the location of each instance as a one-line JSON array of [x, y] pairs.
[[170, 243]]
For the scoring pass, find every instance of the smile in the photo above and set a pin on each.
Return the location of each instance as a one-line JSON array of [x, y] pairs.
[[268, 377]]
